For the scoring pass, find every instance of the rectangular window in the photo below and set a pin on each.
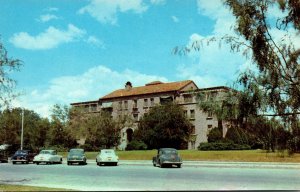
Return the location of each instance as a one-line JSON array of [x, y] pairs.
[[125, 104], [193, 130], [152, 101], [134, 104], [135, 117], [209, 127], [209, 114], [145, 102], [187, 98], [120, 105], [192, 114]]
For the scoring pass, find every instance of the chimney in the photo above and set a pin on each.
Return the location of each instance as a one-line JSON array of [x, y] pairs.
[[128, 86]]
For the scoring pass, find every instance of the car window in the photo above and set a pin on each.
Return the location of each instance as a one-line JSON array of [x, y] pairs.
[[45, 152], [170, 151], [21, 152], [77, 152]]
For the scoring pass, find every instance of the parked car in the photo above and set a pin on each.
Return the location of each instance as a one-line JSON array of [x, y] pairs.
[[48, 157], [22, 156], [107, 156], [167, 156], [76, 156]]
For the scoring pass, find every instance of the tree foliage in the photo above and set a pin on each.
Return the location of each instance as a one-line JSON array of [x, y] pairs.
[[7, 84], [99, 129], [164, 126]]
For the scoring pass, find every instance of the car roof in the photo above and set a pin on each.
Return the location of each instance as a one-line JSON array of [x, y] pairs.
[[161, 149], [107, 150], [76, 149], [48, 150]]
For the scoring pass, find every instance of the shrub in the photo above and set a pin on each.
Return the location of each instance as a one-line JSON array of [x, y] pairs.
[[136, 145], [222, 146], [215, 135], [237, 136]]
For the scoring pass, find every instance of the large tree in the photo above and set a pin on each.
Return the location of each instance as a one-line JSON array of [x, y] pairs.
[[35, 128], [7, 84], [164, 126]]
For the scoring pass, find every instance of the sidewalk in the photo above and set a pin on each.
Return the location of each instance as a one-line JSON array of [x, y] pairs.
[[217, 164]]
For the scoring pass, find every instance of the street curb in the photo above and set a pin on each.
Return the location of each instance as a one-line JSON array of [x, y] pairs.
[[216, 164]]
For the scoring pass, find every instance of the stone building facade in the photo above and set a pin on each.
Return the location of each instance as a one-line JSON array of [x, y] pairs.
[[136, 101]]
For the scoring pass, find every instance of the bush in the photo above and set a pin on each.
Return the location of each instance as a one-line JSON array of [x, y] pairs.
[[136, 145], [238, 136], [222, 146], [215, 135]]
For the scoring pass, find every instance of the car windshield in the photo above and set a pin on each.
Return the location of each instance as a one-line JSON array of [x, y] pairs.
[[45, 152], [107, 152], [169, 151], [20, 152], [76, 152]]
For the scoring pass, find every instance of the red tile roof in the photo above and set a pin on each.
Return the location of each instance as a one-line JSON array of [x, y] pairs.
[[150, 88]]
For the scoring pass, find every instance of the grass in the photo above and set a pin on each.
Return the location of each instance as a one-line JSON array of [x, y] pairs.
[[28, 188], [195, 155]]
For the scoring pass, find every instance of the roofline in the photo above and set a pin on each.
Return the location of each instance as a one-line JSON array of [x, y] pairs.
[[213, 88], [130, 96], [84, 102]]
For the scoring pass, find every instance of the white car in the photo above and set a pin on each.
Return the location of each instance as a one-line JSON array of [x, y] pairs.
[[48, 157], [107, 156]]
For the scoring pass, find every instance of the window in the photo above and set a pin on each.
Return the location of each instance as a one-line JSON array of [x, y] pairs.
[[192, 114], [193, 130], [209, 114], [125, 104], [145, 102], [152, 101], [209, 127], [135, 117], [185, 113], [134, 104], [187, 98], [120, 105], [86, 108]]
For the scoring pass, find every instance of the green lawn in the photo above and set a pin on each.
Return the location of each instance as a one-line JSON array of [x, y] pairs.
[[27, 188], [195, 155]]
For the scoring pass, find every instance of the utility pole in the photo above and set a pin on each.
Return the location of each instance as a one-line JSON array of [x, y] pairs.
[[22, 129]]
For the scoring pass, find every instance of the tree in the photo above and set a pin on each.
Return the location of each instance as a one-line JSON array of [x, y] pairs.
[[7, 84], [99, 129], [35, 128], [59, 134], [164, 126]]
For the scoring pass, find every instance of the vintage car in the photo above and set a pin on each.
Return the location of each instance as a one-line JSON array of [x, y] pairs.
[[107, 156], [167, 156], [48, 157], [22, 156], [76, 156]]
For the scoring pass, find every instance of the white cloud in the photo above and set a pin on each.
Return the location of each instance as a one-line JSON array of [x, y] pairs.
[[52, 9], [105, 11], [51, 38], [158, 2], [175, 19], [47, 17], [91, 85], [95, 41]]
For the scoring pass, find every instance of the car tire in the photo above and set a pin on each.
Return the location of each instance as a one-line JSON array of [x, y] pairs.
[[37, 163], [179, 166], [14, 162], [60, 161], [69, 163], [116, 164]]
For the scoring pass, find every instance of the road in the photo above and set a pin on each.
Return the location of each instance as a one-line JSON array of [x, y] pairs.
[[143, 176]]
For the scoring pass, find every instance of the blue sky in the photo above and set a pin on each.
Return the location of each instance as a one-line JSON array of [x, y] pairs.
[[80, 50]]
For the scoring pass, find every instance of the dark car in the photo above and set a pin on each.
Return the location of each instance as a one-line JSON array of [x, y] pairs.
[[22, 156], [167, 156], [76, 156]]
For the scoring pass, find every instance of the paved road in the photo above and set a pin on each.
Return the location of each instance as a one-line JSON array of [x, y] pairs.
[[141, 175]]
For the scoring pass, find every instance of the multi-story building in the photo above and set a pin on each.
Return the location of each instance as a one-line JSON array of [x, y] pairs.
[[136, 101]]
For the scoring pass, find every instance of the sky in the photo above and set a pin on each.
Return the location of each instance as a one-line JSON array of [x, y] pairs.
[[81, 50]]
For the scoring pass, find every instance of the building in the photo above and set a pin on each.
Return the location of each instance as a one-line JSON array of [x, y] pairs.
[[136, 101]]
